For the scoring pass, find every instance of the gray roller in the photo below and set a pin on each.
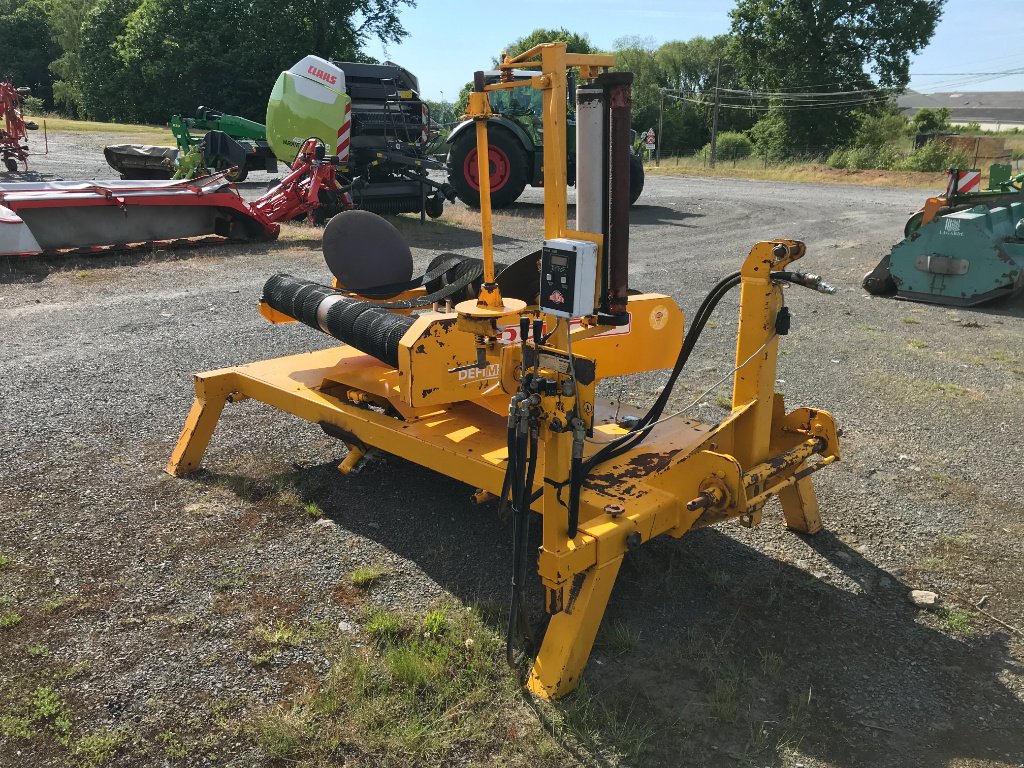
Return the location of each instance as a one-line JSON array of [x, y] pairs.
[[363, 250]]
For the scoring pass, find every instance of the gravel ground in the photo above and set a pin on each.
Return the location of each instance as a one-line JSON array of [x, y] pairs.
[[147, 601]]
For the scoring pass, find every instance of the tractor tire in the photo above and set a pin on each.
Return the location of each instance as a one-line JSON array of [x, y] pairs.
[[913, 223], [636, 178], [12, 164], [508, 168]]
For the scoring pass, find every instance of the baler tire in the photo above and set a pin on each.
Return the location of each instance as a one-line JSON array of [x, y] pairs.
[[636, 178], [12, 164], [514, 177]]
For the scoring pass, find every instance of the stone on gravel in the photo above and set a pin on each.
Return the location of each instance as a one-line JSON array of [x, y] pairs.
[[923, 598]]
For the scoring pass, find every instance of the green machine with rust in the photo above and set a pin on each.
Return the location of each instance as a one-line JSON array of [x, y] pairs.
[[961, 249]]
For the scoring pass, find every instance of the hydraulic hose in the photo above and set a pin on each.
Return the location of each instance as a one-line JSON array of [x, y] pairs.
[[637, 435]]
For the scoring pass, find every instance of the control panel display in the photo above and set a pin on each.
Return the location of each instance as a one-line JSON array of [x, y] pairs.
[[568, 278]]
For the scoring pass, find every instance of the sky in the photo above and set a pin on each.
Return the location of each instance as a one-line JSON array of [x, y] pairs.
[[449, 39]]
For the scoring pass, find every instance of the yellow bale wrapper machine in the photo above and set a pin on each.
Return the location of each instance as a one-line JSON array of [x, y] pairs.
[[498, 391]]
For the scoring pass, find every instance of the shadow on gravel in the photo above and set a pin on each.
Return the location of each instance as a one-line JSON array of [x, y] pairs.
[[714, 653], [12, 178], [652, 215]]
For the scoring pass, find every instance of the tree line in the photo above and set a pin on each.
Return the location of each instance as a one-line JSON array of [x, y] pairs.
[[788, 74], [143, 60]]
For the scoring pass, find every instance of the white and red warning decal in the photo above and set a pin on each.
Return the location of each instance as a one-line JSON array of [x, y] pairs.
[[967, 181], [509, 334], [345, 134]]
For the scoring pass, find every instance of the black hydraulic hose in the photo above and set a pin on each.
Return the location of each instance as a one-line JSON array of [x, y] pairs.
[[575, 483], [636, 436]]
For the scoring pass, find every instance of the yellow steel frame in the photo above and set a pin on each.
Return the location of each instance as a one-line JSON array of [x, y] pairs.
[[683, 475]]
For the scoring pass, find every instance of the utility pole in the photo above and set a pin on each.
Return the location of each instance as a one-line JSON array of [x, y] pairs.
[[714, 119], [661, 133]]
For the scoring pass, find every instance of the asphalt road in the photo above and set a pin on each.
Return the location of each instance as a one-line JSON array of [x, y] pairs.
[[731, 628]]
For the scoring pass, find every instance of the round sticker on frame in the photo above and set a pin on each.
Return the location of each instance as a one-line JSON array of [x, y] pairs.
[[659, 317]]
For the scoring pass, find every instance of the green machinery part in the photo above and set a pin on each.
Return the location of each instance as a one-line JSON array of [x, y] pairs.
[[962, 258]]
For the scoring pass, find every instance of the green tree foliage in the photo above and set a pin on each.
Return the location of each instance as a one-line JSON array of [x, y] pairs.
[[877, 128], [931, 120], [143, 60], [825, 45], [731, 145], [574, 43], [66, 19], [25, 46]]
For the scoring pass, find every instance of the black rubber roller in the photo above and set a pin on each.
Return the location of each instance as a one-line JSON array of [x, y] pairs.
[[361, 324]]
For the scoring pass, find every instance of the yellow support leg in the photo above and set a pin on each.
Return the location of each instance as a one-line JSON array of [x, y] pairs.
[[570, 635], [800, 505], [212, 392]]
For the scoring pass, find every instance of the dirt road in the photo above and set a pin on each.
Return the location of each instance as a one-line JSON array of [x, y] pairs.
[[144, 602]]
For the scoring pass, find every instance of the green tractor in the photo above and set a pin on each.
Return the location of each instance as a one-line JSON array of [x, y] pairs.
[[515, 139]]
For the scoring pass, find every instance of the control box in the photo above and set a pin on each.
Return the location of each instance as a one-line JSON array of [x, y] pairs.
[[568, 277]]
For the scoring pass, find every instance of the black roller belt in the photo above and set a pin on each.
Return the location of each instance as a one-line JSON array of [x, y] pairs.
[[366, 326]]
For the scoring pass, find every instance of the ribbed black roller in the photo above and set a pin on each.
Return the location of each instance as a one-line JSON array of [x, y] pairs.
[[363, 250], [365, 326]]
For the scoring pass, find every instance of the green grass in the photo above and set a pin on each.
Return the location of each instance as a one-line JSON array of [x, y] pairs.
[[950, 389], [797, 170], [313, 510], [367, 576], [429, 690], [623, 730], [911, 321], [916, 344], [38, 650], [8, 616], [619, 638], [89, 126], [958, 620], [5, 561]]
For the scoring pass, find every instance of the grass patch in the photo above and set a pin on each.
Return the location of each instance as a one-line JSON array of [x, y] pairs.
[[430, 690], [234, 580], [38, 651], [94, 749], [950, 389], [56, 602], [89, 126], [8, 616], [723, 402], [365, 577], [5, 561], [911, 321], [621, 731], [866, 327], [818, 173], [620, 639], [313, 510], [916, 344], [957, 620], [271, 640]]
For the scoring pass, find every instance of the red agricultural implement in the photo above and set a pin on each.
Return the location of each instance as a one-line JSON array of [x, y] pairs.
[[61, 216], [14, 134]]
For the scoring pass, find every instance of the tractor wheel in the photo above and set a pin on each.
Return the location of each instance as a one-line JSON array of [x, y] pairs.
[[507, 170], [12, 164], [636, 178]]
